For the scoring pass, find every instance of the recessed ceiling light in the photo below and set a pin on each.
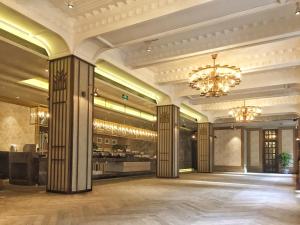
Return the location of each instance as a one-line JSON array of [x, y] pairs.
[[96, 92], [46, 70], [17, 97], [70, 4], [297, 9], [148, 45]]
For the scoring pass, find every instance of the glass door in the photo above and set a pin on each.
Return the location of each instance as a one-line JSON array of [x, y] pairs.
[[270, 151]]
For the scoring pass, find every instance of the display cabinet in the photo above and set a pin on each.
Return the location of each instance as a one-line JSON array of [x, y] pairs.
[[39, 117]]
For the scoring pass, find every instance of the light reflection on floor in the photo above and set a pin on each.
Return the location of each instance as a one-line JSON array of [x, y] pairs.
[[196, 199]]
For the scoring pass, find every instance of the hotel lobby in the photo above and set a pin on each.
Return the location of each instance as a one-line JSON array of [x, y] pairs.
[[161, 112]]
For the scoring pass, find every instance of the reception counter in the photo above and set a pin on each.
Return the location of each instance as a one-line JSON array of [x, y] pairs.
[[128, 166], [112, 167], [27, 168]]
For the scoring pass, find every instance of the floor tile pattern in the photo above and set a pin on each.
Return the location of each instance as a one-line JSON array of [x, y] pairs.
[[196, 199]]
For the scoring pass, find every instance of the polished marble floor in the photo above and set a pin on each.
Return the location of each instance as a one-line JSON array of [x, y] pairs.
[[206, 199]]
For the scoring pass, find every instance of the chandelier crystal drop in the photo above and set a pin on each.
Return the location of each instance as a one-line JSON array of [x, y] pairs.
[[245, 113], [215, 80]]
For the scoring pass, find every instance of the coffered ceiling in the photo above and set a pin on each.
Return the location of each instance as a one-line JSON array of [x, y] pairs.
[[162, 41]]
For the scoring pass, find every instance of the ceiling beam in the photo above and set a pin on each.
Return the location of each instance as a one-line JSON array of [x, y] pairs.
[[247, 31], [259, 81], [94, 24], [156, 32]]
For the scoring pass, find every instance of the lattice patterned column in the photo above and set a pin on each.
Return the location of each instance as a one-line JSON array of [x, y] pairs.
[[204, 148], [297, 156], [168, 141], [71, 125]]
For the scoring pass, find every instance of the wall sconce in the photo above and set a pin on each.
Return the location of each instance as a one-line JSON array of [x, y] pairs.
[[39, 115], [96, 92]]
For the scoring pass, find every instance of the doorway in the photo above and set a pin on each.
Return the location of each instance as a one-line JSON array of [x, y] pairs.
[[270, 151]]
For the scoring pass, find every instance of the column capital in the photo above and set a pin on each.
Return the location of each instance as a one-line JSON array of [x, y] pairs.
[[72, 56]]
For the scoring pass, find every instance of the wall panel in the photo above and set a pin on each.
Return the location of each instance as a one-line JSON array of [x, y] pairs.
[[228, 150], [254, 150], [15, 126], [288, 145]]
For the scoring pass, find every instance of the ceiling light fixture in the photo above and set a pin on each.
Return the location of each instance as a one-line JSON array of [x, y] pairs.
[[37, 82], [245, 113], [70, 4], [297, 9], [215, 80], [148, 44]]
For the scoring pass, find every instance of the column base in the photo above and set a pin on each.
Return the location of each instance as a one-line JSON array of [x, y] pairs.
[[172, 177], [69, 193]]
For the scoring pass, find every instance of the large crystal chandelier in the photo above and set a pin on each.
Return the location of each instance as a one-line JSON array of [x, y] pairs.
[[245, 113], [215, 80]]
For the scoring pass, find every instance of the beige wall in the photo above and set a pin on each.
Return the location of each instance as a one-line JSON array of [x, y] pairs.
[[14, 126], [228, 148], [254, 148], [287, 142]]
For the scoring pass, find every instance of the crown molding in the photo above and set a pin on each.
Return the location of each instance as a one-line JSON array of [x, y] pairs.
[[272, 56], [248, 30]]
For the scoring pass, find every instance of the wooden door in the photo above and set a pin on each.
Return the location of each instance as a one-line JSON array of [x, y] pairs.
[[270, 153]]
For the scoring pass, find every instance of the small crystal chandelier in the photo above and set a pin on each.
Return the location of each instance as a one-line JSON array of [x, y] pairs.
[[245, 113], [215, 80]]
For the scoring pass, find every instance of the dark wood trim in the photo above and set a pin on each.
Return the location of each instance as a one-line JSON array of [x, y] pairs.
[[78, 112], [71, 119]]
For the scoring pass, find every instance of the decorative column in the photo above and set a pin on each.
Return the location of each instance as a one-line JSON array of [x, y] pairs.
[[167, 141], [297, 156], [204, 148], [71, 85]]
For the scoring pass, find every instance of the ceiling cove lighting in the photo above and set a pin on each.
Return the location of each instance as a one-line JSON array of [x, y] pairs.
[[23, 34], [127, 83], [98, 101], [192, 113], [215, 80], [38, 83], [117, 107], [245, 113]]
